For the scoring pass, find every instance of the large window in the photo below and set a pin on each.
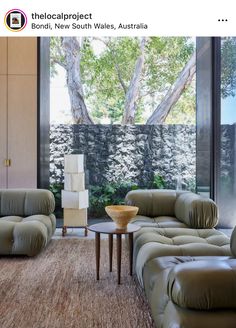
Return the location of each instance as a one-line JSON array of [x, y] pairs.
[[204, 87], [227, 173], [123, 80], [128, 104]]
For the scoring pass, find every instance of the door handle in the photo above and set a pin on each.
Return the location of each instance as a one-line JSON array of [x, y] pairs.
[[7, 162]]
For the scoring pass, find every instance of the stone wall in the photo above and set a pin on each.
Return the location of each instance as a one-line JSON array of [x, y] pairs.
[[132, 153], [61, 137]]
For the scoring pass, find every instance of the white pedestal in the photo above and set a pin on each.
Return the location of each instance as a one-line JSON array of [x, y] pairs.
[[74, 163], [75, 218], [74, 181], [75, 199]]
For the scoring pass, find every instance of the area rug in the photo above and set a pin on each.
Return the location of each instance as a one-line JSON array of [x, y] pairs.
[[58, 289]]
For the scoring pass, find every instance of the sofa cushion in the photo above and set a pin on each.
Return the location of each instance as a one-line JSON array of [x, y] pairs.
[[11, 218], [25, 202], [25, 236], [175, 317], [155, 242], [44, 219], [203, 285], [196, 211], [144, 221], [156, 276], [153, 202], [169, 222], [158, 222], [233, 242]]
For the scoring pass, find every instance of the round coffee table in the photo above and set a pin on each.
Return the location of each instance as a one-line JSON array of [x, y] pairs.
[[110, 229]]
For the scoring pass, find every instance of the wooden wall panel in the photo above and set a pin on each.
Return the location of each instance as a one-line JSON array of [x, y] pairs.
[[18, 112], [3, 56], [3, 130], [22, 55], [22, 131]]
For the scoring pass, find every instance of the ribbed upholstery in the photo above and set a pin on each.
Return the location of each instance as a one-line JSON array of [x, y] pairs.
[[27, 222], [196, 211], [233, 242], [155, 242], [170, 208], [24, 202], [188, 275], [153, 202], [191, 291], [203, 285], [158, 222]]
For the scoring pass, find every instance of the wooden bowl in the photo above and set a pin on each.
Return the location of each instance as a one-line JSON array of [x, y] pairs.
[[121, 214]]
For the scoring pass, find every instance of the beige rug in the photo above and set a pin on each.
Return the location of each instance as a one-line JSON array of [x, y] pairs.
[[57, 289]]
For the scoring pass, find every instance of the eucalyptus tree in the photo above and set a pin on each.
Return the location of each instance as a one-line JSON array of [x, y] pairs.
[[67, 53], [120, 78]]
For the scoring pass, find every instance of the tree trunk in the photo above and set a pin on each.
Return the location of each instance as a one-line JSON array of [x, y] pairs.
[[175, 91], [72, 52], [133, 89]]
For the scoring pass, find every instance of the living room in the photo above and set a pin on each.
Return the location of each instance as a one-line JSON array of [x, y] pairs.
[[117, 180]]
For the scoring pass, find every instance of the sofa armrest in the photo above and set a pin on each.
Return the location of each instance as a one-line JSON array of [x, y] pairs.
[[196, 211], [204, 284], [25, 202], [153, 202]]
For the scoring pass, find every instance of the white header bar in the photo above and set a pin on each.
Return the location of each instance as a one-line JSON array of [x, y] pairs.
[[118, 18]]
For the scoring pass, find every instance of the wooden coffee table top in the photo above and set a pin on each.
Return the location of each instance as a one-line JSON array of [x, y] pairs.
[[110, 228]]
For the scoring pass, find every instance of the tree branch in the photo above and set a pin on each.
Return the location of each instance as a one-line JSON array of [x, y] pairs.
[[133, 90], [56, 61], [117, 68], [175, 91], [122, 83], [72, 49]]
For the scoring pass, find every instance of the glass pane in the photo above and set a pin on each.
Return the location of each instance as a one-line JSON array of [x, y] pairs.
[[128, 104], [204, 114], [227, 183]]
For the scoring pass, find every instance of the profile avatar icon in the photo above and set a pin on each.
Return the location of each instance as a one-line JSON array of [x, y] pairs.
[[15, 20]]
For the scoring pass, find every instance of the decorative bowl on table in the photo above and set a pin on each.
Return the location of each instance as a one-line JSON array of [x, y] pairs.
[[121, 214]]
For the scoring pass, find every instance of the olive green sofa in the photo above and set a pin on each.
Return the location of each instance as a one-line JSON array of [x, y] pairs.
[[151, 243], [178, 227], [164, 208], [192, 291], [27, 222]]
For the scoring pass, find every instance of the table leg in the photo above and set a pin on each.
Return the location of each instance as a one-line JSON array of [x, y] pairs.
[[110, 250], [97, 246], [118, 256], [131, 254], [64, 231]]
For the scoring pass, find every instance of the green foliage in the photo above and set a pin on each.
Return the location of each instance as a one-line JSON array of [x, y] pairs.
[[184, 111], [166, 58], [191, 184], [56, 189], [56, 54], [107, 61], [104, 95], [158, 182], [228, 66], [107, 194]]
